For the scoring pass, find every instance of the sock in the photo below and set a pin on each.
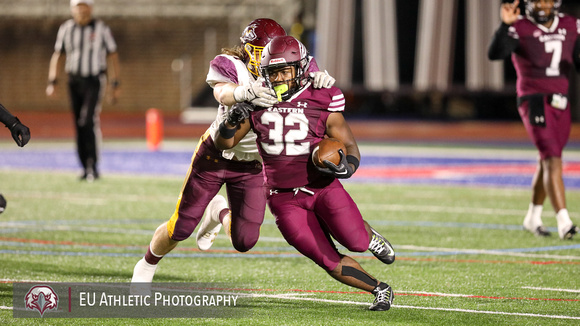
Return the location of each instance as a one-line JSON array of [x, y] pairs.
[[533, 217], [143, 272], [151, 258], [563, 218], [226, 219]]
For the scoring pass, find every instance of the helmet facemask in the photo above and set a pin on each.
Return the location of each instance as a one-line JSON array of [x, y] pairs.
[[289, 83], [253, 53]]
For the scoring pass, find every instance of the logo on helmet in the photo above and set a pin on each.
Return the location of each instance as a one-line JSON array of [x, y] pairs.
[[249, 33], [277, 61], [41, 298]]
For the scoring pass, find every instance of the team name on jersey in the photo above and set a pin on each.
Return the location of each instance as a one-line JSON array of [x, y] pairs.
[[286, 110], [553, 37]]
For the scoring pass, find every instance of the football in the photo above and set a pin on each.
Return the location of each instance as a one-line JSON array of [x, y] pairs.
[[327, 149]]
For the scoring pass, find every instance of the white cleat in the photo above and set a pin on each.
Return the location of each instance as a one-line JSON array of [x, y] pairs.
[[210, 224]]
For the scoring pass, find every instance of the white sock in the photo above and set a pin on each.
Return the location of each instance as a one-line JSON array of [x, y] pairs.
[[143, 272], [533, 217], [227, 223], [564, 222]]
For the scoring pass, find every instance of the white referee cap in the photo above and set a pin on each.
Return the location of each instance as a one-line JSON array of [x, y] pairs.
[[78, 2]]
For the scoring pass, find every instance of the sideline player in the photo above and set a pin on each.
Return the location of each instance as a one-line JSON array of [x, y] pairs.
[[543, 46], [309, 203], [20, 134], [88, 44], [233, 76]]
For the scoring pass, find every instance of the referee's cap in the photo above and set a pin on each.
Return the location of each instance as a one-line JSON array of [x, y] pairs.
[[78, 2]]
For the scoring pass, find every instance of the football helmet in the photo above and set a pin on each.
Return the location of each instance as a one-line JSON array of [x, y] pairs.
[[282, 52], [539, 15], [255, 37]]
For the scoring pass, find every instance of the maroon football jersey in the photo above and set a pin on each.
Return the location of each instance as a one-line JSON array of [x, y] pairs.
[[543, 58], [288, 131]]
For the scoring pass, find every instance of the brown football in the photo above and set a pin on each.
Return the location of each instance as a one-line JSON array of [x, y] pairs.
[[327, 149]]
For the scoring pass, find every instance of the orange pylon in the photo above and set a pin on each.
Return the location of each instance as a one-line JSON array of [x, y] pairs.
[[154, 128]]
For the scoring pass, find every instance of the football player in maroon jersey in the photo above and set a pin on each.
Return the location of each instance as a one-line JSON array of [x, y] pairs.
[[233, 75], [309, 203], [544, 45]]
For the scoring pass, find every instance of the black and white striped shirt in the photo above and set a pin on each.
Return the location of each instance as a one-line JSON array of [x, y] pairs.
[[86, 47]]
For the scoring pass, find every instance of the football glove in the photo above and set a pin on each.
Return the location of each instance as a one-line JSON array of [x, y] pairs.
[[341, 171], [322, 79], [238, 113], [20, 132], [256, 94]]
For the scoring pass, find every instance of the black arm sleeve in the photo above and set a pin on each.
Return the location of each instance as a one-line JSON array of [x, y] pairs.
[[6, 117], [502, 45], [576, 54]]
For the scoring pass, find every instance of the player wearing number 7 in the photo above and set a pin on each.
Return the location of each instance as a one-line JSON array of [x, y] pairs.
[[543, 46], [310, 206]]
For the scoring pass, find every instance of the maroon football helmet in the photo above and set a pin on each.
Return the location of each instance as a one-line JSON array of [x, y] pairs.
[[255, 37], [538, 15], [282, 52]]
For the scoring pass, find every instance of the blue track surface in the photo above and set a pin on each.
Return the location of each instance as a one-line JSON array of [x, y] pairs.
[[381, 168]]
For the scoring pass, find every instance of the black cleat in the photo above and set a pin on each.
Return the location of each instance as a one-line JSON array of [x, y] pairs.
[[381, 248], [383, 297], [570, 233], [2, 203], [541, 231]]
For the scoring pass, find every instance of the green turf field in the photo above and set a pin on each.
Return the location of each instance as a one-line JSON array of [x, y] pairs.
[[462, 257]]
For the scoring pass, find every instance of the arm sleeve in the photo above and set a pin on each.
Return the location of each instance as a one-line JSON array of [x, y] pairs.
[[109, 40], [576, 54], [6, 117], [502, 44]]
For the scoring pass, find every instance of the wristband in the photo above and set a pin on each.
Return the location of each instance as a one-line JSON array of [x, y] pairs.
[[115, 83], [226, 132], [353, 160], [52, 82]]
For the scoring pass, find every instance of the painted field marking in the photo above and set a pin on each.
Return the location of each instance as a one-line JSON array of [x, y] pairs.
[[426, 251], [550, 289], [276, 296], [298, 297]]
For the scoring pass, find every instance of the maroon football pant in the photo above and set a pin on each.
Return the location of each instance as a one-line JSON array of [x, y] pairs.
[[551, 139], [307, 221], [245, 191]]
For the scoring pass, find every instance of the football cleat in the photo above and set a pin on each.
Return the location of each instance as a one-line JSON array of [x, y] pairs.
[[568, 232], [383, 297], [540, 231], [210, 225], [381, 248], [2, 203]]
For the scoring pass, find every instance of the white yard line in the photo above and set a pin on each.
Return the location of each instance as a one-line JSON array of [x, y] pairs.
[[550, 289], [277, 296]]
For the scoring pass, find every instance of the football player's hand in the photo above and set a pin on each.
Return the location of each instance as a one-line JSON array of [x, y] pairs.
[[20, 133], [343, 170], [509, 12], [256, 94], [322, 79], [238, 113]]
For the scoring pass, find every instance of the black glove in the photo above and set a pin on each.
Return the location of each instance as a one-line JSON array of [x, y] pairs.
[[341, 171], [238, 113], [20, 132]]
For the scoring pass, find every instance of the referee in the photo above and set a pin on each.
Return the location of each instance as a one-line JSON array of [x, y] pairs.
[[87, 44]]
